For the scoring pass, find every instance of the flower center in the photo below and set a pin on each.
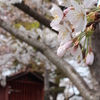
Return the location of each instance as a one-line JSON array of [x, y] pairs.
[[55, 15], [63, 35], [78, 15]]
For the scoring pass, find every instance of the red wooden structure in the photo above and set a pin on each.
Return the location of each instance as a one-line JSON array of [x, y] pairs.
[[23, 86]]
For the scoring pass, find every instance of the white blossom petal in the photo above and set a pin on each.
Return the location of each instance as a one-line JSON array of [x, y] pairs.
[[57, 14]]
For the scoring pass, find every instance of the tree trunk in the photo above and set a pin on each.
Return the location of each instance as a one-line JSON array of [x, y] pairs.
[[95, 68]]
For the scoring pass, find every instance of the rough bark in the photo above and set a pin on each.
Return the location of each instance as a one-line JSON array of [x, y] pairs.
[[67, 69], [95, 68]]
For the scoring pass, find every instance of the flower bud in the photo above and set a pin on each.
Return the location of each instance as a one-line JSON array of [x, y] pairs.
[[89, 31], [91, 17], [68, 44], [89, 58], [67, 10], [61, 51]]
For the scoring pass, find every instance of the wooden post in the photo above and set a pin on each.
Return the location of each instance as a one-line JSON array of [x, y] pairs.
[[46, 84]]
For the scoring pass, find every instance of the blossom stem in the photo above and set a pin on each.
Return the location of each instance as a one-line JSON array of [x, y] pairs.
[[94, 9], [90, 41], [80, 34], [87, 45], [84, 45]]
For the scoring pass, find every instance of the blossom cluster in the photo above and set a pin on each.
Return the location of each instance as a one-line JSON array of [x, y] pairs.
[[74, 31]]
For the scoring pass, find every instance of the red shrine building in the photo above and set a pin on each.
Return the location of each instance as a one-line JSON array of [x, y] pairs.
[[23, 86]]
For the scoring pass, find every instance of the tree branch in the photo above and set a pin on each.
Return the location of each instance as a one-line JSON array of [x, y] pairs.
[[33, 14], [94, 22], [67, 69]]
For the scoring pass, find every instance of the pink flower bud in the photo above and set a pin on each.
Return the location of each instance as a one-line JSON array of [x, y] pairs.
[[68, 44], [89, 58], [67, 10], [63, 48], [61, 51]]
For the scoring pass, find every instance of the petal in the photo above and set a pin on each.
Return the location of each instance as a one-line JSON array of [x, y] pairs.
[[90, 58], [56, 9], [78, 26], [76, 52], [68, 44], [55, 22], [59, 28], [75, 5], [84, 23], [71, 16], [68, 3], [81, 24], [61, 51], [66, 39], [88, 4], [67, 26]]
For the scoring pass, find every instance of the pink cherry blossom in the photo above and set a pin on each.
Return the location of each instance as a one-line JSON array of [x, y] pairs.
[[68, 45], [64, 32], [67, 10], [77, 17], [61, 51], [63, 48], [89, 58], [57, 14]]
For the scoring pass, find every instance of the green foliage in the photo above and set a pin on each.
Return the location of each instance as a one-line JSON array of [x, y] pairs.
[[17, 25], [27, 25]]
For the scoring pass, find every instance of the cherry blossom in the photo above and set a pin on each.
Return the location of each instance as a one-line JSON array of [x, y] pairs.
[[77, 17], [67, 10], [57, 14], [63, 48], [88, 4], [68, 45], [61, 51], [64, 32], [77, 53], [89, 58], [74, 30]]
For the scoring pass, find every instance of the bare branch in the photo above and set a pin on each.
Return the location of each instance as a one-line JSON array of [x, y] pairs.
[[67, 69], [33, 14]]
